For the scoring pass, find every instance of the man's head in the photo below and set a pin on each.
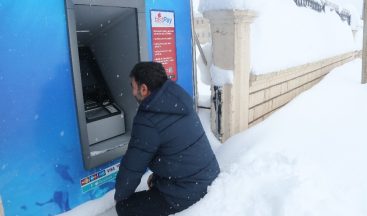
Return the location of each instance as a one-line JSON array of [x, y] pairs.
[[147, 77]]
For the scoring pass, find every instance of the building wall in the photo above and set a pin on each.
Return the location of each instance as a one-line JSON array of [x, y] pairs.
[[252, 96], [202, 29], [271, 91]]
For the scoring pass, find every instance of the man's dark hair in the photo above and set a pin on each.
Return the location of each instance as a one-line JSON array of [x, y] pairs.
[[151, 74]]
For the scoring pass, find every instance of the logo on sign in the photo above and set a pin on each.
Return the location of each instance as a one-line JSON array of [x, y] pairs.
[[94, 180], [162, 19]]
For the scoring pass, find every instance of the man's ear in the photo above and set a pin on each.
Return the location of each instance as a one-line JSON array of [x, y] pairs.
[[144, 91]]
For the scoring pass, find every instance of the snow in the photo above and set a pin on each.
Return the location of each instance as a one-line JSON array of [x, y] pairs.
[[220, 76], [203, 76], [284, 35], [348, 4], [94, 207], [306, 159], [95, 153]]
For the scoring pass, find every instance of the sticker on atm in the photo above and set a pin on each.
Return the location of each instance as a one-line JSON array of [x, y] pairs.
[[98, 178], [164, 41]]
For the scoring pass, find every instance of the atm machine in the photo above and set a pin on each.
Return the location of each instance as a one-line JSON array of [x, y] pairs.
[[68, 106], [104, 42]]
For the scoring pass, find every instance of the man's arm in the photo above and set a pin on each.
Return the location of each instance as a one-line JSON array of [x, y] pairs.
[[143, 145]]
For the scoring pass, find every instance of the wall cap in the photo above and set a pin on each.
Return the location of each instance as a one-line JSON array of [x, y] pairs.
[[226, 15]]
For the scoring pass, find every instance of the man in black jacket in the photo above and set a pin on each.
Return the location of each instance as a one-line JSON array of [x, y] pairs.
[[168, 138]]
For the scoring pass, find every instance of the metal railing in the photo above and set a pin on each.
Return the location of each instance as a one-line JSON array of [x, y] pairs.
[[315, 5], [322, 5]]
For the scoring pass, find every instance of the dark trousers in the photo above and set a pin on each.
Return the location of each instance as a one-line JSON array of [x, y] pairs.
[[145, 203]]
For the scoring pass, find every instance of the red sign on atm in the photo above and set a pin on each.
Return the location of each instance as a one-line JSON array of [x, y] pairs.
[[164, 41]]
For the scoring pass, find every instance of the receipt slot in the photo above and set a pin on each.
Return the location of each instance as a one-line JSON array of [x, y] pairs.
[[105, 45]]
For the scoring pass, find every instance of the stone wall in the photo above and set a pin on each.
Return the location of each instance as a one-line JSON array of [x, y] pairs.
[[202, 29], [271, 91], [250, 99]]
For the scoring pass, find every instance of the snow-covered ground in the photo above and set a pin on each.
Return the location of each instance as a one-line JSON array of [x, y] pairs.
[[306, 159]]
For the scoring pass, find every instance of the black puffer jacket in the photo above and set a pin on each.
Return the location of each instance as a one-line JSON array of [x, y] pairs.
[[167, 137]]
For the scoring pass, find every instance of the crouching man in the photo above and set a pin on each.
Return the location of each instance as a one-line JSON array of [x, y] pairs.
[[168, 138]]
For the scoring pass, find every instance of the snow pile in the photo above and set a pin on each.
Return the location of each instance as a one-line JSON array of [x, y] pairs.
[[355, 7], [355, 16], [203, 72], [93, 207], [359, 39], [207, 5], [203, 75], [284, 35], [220, 76], [306, 159]]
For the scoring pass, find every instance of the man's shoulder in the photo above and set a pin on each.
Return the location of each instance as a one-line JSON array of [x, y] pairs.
[[143, 117]]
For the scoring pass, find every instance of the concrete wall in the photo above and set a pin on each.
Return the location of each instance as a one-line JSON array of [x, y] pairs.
[[271, 91], [250, 99], [202, 29], [230, 32]]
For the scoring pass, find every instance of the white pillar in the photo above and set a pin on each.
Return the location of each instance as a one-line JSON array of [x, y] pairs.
[[230, 31]]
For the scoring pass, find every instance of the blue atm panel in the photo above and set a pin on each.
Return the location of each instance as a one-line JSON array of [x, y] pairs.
[[42, 159]]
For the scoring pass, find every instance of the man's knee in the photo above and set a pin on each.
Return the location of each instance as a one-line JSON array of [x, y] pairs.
[[120, 208], [131, 208]]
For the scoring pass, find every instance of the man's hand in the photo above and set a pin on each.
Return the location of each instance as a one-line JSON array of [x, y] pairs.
[[149, 181]]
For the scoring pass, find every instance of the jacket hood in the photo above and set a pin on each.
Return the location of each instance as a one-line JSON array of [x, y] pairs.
[[170, 98]]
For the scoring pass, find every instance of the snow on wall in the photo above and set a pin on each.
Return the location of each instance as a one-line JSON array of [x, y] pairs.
[[203, 75], [284, 35], [220, 76]]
